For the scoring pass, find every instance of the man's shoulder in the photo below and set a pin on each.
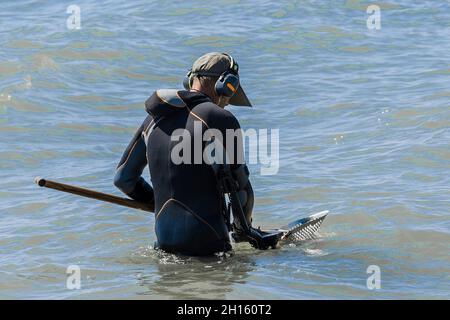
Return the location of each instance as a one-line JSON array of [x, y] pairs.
[[166, 101], [215, 116]]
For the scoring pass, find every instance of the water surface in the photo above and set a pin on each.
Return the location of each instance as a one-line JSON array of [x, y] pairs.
[[364, 119]]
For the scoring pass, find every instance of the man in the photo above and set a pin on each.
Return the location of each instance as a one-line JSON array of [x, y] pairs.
[[191, 215]]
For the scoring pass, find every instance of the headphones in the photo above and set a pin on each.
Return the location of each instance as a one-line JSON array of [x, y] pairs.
[[226, 85]]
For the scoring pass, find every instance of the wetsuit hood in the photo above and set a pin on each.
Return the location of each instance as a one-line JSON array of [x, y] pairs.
[[164, 102]]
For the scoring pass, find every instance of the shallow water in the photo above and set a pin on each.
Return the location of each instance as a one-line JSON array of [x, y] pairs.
[[364, 118]]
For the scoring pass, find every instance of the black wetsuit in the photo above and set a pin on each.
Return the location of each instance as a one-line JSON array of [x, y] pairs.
[[189, 209]]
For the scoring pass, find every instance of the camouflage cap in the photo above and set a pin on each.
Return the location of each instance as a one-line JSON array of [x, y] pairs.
[[213, 64]]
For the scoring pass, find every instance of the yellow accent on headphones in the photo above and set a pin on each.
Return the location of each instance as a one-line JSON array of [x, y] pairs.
[[229, 85]]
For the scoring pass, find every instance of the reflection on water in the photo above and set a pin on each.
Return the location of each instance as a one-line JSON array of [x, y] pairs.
[[194, 277]]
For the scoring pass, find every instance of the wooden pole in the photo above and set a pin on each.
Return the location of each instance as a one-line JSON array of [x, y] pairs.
[[93, 194]]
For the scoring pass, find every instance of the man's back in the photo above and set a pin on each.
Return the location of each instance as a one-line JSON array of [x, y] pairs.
[[189, 208]]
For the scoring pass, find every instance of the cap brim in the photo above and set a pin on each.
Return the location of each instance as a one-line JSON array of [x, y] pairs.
[[240, 98]]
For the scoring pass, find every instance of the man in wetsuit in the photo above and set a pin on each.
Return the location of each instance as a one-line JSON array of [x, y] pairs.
[[191, 216]]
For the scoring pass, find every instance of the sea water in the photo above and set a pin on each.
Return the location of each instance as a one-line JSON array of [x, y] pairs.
[[363, 114]]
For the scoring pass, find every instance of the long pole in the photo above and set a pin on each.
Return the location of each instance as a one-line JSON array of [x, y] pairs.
[[92, 194]]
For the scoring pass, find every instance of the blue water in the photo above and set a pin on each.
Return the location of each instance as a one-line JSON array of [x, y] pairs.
[[364, 119]]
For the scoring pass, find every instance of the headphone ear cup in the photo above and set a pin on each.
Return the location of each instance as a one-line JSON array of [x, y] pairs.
[[187, 80], [227, 85]]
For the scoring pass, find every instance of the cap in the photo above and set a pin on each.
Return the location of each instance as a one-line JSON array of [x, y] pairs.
[[214, 64]]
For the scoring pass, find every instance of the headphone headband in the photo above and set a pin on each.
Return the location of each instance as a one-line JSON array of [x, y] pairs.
[[228, 80], [234, 68], [205, 73]]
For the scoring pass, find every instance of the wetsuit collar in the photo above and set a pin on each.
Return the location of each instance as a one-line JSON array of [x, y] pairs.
[[164, 102], [201, 92]]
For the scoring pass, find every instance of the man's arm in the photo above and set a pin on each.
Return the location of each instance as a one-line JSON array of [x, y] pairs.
[[234, 147], [129, 170]]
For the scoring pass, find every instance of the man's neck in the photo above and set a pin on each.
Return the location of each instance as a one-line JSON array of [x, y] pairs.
[[206, 90], [202, 92], [209, 93]]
